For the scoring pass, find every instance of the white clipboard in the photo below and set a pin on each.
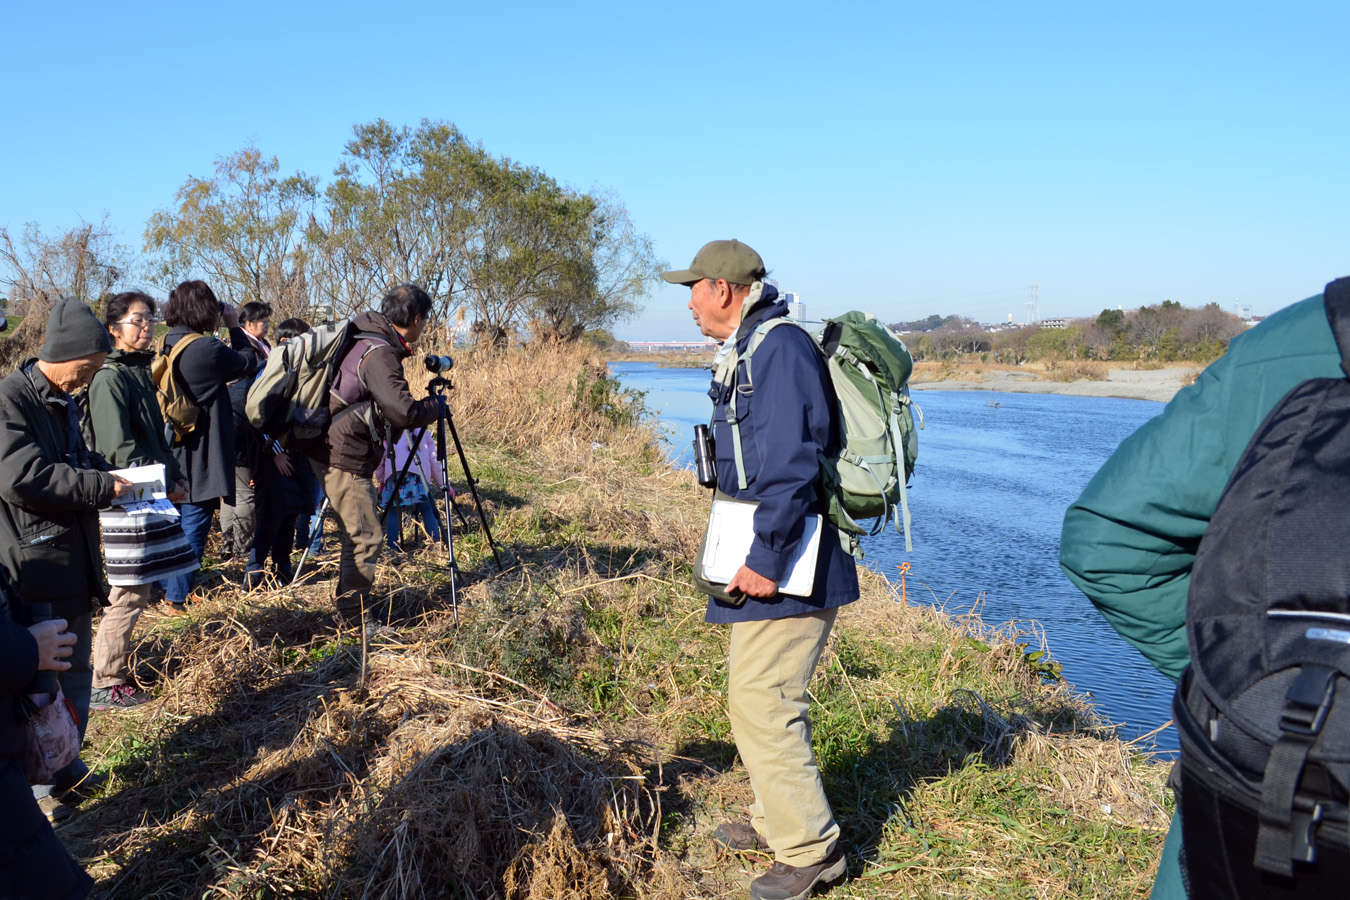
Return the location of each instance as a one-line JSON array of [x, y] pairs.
[[731, 531]]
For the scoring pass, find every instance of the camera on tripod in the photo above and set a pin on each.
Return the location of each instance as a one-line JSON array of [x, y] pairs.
[[438, 365]]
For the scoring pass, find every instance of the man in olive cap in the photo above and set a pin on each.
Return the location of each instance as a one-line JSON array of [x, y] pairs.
[[785, 422], [51, 488]]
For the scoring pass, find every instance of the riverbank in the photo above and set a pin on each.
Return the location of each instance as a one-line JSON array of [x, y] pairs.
[[1125, 383], [1090, 379], [560, 730]]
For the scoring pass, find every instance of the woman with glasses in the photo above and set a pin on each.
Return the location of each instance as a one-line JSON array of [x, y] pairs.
[[126, 427]]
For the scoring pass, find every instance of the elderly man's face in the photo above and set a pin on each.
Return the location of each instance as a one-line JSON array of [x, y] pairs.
[[73, 374], [708, 303]]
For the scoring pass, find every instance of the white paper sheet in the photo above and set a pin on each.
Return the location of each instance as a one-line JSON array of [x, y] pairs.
[[149, 494], [731, 531]]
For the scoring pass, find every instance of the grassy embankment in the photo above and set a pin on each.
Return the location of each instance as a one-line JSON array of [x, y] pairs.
[[569, 738]]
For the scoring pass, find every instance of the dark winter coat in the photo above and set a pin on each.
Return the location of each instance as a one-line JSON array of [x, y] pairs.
[[786, 423], [33, 864], [356, 439], [124, 416], [207, 367], [51, 488]]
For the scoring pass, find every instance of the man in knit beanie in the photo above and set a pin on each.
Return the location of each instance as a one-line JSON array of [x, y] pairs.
[[51, 488]]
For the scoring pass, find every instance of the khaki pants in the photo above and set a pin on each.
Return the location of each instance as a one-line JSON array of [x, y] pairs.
[[352, 500], [112, 644], [771, 664]]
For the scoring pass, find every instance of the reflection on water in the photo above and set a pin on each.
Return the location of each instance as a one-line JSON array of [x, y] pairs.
[[988, 498]]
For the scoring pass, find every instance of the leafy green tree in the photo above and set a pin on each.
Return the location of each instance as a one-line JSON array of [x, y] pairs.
[[615, 269], [240, 230], [401, 209], [1050, 345]]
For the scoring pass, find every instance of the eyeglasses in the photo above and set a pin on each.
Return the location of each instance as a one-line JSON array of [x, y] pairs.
[[137, 321]]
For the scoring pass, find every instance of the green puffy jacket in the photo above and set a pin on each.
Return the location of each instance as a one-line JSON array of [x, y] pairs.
[[1130, 540]]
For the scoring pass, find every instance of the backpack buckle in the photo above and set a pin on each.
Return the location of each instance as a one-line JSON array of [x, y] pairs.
[[1304, 830], [1308, 701]]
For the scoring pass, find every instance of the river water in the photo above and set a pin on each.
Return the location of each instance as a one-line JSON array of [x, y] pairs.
[[995, 473]]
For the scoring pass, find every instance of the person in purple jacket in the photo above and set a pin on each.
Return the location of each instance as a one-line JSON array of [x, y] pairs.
[[786, 421]]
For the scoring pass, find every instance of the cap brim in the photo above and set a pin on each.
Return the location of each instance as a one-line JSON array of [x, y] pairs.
[[683, 276]]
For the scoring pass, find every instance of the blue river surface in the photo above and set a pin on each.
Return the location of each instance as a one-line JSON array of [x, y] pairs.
[[995, 473]]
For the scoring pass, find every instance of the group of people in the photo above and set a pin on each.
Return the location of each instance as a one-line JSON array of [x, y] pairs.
[[68, 548]]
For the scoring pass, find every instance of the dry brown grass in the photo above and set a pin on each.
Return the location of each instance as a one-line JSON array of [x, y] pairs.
[[968, 370], [292, 759], [1078, 370], [536, 397]]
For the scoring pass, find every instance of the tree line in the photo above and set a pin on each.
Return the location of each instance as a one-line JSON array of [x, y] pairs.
[[502, 247], [1165, 332]]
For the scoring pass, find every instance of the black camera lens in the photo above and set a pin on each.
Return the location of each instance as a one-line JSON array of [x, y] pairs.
[[438, 364]]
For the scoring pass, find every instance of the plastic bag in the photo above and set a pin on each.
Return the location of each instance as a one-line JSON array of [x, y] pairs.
[[53, 733]]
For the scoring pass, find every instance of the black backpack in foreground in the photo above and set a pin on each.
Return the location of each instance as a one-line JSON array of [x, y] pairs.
[[1263, 711]]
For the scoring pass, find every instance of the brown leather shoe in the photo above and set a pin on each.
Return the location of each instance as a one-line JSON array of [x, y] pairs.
[[739, 836], [784, 882]]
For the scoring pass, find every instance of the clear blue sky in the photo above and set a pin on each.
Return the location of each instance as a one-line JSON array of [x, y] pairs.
[[907, 158]]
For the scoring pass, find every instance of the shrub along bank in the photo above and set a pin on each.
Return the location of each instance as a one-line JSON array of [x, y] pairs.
[[568, 738]]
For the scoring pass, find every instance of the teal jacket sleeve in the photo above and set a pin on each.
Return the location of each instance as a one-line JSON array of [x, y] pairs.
[[1129, 541]]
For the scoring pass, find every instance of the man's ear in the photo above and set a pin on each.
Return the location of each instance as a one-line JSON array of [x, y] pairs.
[[724, 293]]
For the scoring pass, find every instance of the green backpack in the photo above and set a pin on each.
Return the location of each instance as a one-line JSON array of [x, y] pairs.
[[289, 400], [869, 367]]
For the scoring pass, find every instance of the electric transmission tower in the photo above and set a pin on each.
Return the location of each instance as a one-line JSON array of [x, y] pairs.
[[1033, 303]]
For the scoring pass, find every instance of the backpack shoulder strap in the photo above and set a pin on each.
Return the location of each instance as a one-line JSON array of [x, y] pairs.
[[756, 338], [1336, 297]]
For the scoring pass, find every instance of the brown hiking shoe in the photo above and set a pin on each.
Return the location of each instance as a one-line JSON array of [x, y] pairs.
[[784, 882], [739, 836]]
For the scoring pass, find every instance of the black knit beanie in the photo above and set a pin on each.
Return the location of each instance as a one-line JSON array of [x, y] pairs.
[[73, 331]]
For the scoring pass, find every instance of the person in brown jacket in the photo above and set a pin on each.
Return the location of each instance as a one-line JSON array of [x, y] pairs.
[[371, 399]]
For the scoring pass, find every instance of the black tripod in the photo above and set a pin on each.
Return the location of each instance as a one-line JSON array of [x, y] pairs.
[[444, 419]]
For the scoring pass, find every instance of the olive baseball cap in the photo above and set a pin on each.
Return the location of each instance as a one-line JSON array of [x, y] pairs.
[[729, 260]]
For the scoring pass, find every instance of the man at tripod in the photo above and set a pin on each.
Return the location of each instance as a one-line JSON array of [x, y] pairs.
[[370, 399]]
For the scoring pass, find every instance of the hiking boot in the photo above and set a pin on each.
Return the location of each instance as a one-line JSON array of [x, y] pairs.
[[119, 696], [784, 882], [175, 610], [55, 811], [739, 836]]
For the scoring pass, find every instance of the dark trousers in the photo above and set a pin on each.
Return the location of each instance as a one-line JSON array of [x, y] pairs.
[[273, 538], [1219, 845]]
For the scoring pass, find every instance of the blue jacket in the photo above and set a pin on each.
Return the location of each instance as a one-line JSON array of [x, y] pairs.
[[786, 420]]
